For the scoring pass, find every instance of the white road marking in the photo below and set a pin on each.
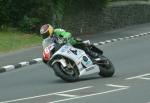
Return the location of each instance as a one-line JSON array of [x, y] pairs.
[[139, 76], [119, 86], [94, 94], [45, 95], [145, 78], [66, 95]]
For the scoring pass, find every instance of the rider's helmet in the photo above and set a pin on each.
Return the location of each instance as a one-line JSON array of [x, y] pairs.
[[46, 31]]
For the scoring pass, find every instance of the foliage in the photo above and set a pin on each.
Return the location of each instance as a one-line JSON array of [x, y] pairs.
[[58, 7], [126, 0], [26, 14], [4, 13], [29, 24]]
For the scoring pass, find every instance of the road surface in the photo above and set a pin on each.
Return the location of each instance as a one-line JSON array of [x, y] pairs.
[[130, 83]]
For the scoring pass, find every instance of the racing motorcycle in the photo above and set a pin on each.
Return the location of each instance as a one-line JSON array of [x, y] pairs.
[[70, 63]]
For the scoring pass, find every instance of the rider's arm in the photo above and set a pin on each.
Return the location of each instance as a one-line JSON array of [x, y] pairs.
[[46, 42], [74, 41]]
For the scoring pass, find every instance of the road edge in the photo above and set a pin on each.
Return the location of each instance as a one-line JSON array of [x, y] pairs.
[[38, 60], [19, 65]]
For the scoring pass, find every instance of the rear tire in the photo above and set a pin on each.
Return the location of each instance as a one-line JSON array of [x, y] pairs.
[[107, 70], [57, 67]]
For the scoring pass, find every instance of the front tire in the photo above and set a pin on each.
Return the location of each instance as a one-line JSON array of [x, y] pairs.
[[69, 77]]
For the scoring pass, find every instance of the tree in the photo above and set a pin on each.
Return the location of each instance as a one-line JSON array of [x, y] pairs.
[[4, 13], [38, 12]]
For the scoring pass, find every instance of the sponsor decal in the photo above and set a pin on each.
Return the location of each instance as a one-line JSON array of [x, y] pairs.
[[46, 54], [85, 58], [64, 48], [89, 69], [74, 51], [50, 47]]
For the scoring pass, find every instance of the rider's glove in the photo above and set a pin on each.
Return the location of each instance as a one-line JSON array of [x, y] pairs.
[[87, 42], [78, 39]]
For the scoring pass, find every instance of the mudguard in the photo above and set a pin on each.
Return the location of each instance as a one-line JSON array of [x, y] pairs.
[[62, 61]]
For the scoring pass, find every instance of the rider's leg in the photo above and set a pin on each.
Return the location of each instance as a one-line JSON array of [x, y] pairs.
[[87, 49]]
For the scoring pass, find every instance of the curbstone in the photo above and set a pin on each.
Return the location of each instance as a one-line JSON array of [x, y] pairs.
[[120, 39], [19, 65]]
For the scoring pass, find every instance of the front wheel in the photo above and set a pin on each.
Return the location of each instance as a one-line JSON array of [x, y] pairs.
[[107, 69], [67, 74]]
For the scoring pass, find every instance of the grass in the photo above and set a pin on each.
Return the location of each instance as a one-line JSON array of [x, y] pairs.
[[15, 40]]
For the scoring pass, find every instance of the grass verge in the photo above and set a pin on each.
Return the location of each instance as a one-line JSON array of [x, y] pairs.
[[15, 40]]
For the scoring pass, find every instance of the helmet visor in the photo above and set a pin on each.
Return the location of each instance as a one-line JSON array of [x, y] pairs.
[[45, 35]]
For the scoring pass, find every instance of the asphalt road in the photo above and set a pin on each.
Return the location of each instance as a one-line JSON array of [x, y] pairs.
[[130, 84]]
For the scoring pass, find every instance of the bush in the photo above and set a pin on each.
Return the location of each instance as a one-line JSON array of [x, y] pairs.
[[29, 24]]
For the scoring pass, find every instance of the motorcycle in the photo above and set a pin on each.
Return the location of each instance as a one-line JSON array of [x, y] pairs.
[[70, 63]]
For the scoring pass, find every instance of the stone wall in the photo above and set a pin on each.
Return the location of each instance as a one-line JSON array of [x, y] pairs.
[[115, 15]]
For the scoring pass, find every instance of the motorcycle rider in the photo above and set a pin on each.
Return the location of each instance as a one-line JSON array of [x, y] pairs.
[[56, 36]]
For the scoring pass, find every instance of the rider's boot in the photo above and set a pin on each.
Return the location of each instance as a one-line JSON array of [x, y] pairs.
[[94, 56]]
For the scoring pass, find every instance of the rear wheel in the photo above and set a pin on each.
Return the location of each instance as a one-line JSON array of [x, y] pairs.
[[69, 73], [106, 68]]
